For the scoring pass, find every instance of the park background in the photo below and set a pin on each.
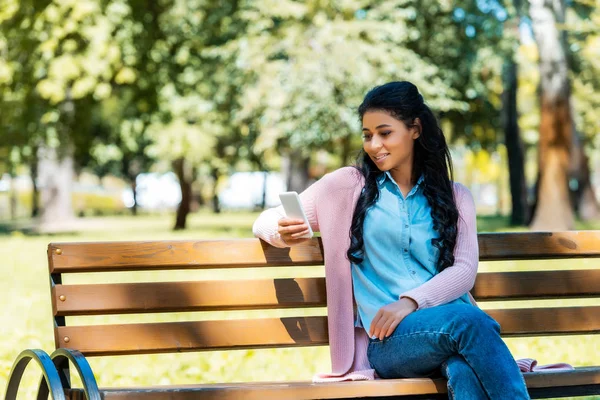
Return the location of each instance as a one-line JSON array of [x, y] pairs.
[[182, 119]]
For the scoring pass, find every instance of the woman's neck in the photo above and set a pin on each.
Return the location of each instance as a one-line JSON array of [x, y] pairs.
[[403, 175]]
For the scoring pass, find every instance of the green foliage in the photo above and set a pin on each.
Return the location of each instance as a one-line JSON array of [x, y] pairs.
[[59, 61], [236, 84], [583, 20], [313, 62]]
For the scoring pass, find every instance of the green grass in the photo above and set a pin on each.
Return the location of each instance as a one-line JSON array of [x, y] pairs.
[[26, 321]]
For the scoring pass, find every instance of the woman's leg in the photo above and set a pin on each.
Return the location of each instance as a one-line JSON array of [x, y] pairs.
[[463, 383], [427, 338]]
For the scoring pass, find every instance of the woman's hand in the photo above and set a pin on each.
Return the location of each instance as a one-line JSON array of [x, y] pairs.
[[389, 316], [290, 230]]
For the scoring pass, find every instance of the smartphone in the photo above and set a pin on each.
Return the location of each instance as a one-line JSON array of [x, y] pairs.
[[293, 209]]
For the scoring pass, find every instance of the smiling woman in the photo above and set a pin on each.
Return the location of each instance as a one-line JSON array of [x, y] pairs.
[[400, 238], [390, 144]]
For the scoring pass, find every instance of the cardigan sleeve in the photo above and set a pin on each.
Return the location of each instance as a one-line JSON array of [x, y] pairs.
[[266, 227], [459, 278]]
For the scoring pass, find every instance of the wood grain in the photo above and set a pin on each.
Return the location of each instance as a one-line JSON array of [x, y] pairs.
[[538, 245], [165, 255], [561, 383], [124, 298], [548, 321], [537, 285], [285, 332], [194, 336], [236, 253]]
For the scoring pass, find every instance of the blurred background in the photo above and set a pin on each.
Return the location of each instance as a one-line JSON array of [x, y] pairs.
[[166, 119]]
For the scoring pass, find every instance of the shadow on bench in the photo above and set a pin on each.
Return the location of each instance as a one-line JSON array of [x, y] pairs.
[[260, 294]]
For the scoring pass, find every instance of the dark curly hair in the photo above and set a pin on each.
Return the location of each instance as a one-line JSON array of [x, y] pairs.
[[431, 160]]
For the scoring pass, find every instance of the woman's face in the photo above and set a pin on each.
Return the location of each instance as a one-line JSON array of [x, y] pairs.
[[388, 141]]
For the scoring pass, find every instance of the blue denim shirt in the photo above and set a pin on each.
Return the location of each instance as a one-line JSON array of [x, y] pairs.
[[398, 253]]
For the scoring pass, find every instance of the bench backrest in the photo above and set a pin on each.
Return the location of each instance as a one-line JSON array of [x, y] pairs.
[[287, 293]]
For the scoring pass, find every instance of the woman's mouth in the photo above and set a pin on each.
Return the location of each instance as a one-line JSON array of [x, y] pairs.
[[381, 158]]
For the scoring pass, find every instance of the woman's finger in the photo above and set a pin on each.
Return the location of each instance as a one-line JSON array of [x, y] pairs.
[[392, 328], [297, 235], [384, 328], [374, 324], [288, 230], [290, 221]]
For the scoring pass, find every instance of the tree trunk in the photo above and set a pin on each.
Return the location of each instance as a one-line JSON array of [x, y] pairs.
[[55, 174], [35, 194], [133, 184], [263, 201], [184, 174], [554, 210], [296, 166], [13, 196], [514, 146], [215, 198]]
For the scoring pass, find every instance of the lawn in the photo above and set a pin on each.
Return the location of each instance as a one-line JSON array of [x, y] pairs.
[[26, 320]]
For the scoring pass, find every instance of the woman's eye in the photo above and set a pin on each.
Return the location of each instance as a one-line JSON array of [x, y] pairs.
[[366, 137], [385, 133]]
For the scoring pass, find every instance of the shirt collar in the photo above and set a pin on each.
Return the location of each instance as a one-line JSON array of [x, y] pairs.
[[386, 175]]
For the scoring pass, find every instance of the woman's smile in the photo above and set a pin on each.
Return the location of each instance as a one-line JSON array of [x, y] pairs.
[[380, 158]]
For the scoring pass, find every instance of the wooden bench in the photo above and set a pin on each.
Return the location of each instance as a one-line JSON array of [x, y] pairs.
[[74, 343]]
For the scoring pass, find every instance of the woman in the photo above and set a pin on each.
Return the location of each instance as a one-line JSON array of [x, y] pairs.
[[400, 239]]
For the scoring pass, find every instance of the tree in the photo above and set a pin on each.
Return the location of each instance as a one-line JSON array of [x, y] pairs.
[[61, 61], [582, 22], [553, 210], [312, 63], [512, 136], [195, 125]]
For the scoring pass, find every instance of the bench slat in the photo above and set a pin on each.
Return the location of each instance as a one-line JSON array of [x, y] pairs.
[[188, 296], [118, 256], [538, 245], [126, 298], [150, 297], [536, 285], [165, 255], [548, 321], [562, 383], [282, 390], [197, 335], [287, 332]]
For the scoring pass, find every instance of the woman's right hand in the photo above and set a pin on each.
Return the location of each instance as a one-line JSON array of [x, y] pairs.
[[290, 230]]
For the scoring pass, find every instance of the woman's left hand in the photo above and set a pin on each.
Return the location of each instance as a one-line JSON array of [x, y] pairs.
[[389, 316]]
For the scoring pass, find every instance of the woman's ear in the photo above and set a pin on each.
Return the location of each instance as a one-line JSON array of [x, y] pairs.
[[417, 128]]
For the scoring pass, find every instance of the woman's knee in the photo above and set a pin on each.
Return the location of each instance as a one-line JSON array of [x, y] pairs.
[[472, 317]]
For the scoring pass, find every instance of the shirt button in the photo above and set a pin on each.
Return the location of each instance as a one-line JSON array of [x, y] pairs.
[[406, 250], [413, 272], [406, 226]]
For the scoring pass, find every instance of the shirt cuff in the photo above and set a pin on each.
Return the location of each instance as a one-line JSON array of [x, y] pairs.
[[413, 297]]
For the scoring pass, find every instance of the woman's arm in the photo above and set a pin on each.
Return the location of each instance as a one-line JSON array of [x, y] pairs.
[[459, 278], [266, 225]]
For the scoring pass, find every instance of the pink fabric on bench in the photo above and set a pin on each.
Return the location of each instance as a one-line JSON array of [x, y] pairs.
[[531, 365]]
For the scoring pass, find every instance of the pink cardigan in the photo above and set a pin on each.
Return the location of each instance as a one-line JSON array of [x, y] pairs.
[[329, 205]]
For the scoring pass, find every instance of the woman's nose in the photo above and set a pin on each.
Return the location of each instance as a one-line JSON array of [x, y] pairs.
[[375, 143]]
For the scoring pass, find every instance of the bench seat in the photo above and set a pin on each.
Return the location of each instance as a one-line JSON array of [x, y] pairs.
[[540, 384]]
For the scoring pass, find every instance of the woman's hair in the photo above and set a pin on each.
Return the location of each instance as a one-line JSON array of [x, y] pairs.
[[431, 159]]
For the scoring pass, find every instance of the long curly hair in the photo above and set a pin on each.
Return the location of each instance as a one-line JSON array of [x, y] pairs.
[[431, 160]]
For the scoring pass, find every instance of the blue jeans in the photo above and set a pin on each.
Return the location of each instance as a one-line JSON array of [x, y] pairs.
[[458, 341]]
